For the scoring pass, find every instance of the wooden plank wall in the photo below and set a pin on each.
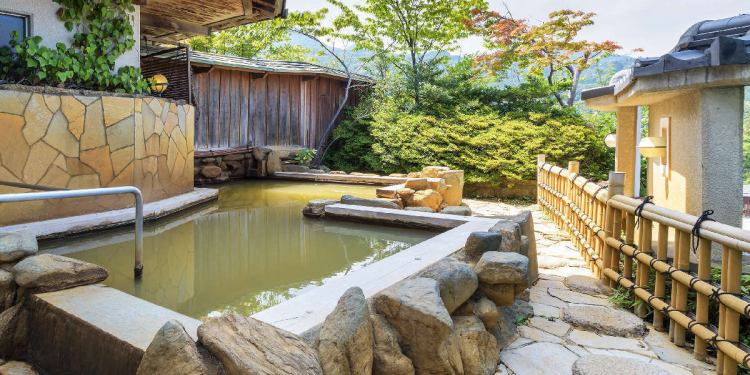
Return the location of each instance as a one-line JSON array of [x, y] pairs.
[[241, 109]]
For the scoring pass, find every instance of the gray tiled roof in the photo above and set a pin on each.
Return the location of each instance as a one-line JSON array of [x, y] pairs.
[[271, 66]]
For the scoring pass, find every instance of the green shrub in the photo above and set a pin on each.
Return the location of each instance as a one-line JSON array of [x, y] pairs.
[[103, 33], [489, 148]]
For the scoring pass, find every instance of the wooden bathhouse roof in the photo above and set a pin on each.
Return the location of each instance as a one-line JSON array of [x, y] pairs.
[[270, 66], [180, 19]]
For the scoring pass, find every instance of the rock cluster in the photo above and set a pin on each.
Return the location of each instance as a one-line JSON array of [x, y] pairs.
[[438, 189], [23, 271], [255, 162]]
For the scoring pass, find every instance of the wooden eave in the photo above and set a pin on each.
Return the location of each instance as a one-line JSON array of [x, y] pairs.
[[177, 20]]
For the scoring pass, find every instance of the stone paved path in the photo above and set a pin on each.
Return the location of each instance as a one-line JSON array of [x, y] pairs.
[[550, 345]]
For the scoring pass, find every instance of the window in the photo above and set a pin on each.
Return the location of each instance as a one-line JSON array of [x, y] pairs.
[[12, 22]]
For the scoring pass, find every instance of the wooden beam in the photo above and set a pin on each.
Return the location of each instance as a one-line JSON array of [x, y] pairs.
[[173, 25]]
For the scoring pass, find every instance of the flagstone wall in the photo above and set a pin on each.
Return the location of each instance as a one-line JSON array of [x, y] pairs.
[[77, 140]]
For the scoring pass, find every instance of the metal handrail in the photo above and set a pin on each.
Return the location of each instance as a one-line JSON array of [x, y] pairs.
[[62, 194]]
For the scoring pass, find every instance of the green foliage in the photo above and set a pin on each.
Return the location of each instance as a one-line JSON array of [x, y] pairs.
[[265, 40], [466, 122], [409, 36], [305, 156], [103, 33]]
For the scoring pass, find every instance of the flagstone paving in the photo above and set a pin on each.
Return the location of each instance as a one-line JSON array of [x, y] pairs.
[[550, 345]]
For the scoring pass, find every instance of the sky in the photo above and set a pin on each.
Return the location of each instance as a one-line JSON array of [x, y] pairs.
[[651, 25]]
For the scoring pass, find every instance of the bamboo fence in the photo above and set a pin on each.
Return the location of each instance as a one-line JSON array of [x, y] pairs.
[[615, 234]]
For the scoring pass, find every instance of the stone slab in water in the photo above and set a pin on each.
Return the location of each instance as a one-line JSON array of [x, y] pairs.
[[587, 285], [610, 365], [370, 202], [48, 273], [14, 246], [606, 320]]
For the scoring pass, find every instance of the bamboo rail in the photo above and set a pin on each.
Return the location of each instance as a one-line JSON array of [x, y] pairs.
[[615, 234]]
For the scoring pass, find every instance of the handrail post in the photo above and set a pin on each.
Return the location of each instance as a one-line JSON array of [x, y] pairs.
[[138, 267]]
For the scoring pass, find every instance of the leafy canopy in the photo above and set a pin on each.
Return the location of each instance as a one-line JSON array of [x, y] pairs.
[[411, 36], [550, 48], [266, 40]]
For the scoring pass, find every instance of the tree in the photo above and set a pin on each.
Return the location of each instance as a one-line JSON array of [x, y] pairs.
[[267, 40], [413, 35], [550, 48]]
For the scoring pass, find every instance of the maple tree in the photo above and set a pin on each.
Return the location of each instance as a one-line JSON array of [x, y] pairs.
[[550, 48]]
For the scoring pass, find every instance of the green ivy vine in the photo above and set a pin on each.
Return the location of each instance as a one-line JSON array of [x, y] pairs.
[[103, 33]]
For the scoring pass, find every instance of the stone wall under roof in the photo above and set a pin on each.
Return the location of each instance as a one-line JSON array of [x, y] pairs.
[[64, 140]]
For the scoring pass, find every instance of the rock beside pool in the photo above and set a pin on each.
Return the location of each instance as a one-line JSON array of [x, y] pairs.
[[526, 223], [479, 243], [418, 209], [511, 235], [479, 354], [171, 352], [48, 273], [316, 207], [457, 210], [14, 246], [456, 280], [599, 364], [210, 171], [13, 333], [7, 290], [495, 267], [370, 202], [414, 308], [486, 311], [346, 340], [388, 358], [426, 198], [248, 346]]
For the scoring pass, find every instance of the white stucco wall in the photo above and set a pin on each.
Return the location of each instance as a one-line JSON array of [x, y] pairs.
[[44, 22]]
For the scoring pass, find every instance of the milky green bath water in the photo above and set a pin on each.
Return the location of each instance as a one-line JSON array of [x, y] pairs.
[[251, 250]]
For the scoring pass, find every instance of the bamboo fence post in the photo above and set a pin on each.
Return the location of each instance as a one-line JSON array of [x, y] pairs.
[[627, 269], [682, 263], [540, 160], [642, 272], [616, 186], [701, 305], [731, 317], [660, 283], [722, 309], [673, 284]]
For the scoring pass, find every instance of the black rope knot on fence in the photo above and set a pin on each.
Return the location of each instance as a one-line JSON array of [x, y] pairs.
[[639, 210], [593, 197], [697, 228]]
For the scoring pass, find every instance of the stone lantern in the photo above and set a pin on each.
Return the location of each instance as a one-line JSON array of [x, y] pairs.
[[695, 96]]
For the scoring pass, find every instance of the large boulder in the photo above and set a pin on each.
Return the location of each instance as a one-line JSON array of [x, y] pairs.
[[511, 235], [7, 290], [525, 222], [388, 358], [48, 272], [346, 341], [457, 281], [495, 267], [426, 198], [479, 353], [368, 202], [479, 243], [317, 207], [602, 364], [248, 346], [414, 308], [171, 352], [453, 195], [210, 171], [14, 246]]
